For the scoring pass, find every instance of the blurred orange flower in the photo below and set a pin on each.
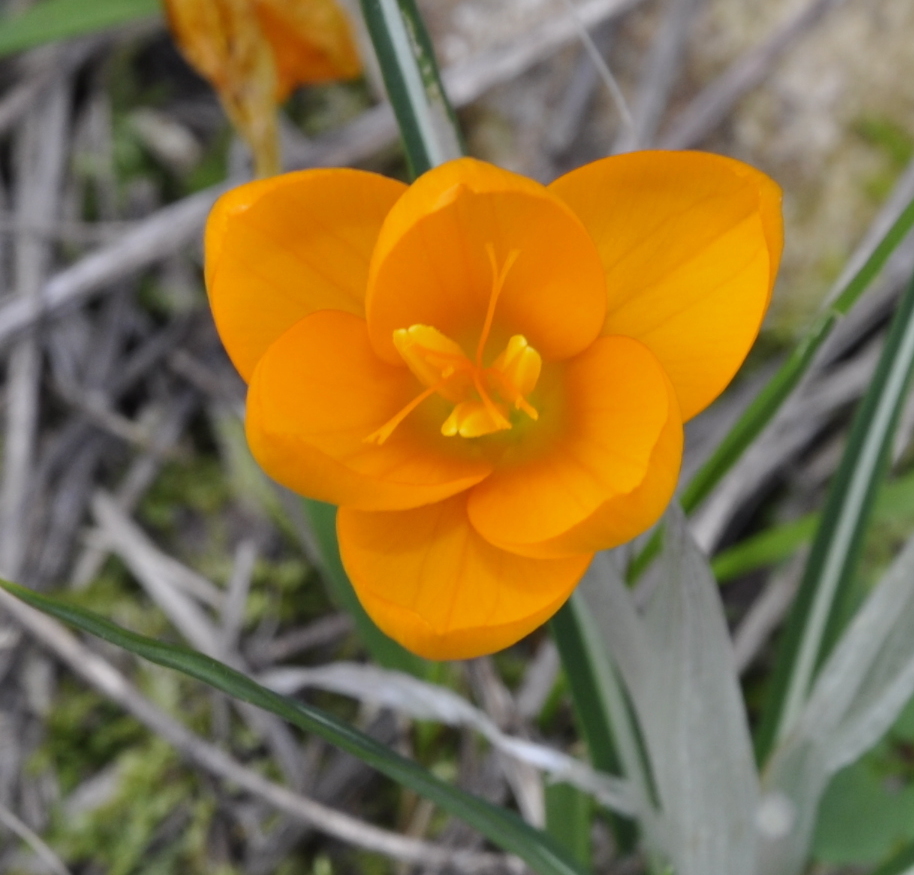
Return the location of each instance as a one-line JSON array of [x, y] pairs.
[[487, 375], [254, 52]]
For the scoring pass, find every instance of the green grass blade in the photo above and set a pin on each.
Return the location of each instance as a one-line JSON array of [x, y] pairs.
[[382, 649], [586, 670], [779, 542], [426, 120], [763, 549], [816, 618], [599, 703], [62, 19], [503, 828], [901, 864], [569, 815]]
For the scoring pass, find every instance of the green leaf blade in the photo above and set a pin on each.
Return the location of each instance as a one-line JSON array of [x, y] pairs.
[[63, 19], [425, 117]]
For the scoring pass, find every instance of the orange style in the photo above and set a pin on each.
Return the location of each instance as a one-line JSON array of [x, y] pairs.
[[488, 376], [255, 52]]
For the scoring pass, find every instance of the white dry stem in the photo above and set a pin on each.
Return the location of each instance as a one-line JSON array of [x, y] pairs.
[[41, 156], [425, 701], [39, 847], [612, 86]]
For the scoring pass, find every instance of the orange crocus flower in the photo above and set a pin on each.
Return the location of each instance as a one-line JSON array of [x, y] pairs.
[[255, 52], [487, 375]]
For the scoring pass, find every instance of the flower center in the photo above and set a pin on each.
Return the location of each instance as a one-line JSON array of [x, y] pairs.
[[483, 397]]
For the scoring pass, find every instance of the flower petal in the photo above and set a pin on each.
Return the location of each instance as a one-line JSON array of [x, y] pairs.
[[624, 516], [613, 446], [320, 391], [311, 41], [456, 229], [430, 581], [279, 249], [691, 244]]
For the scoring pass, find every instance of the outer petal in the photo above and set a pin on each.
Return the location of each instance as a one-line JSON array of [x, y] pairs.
[[319, 391], [311, 41], [691, 244], [279, 249], [432, 265], [609, 469], [431, 582]]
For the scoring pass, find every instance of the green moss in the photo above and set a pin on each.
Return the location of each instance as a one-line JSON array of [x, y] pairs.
[[893, 140], [321, 108], [157, 821], [896, 145], [199, 485], [212, 168], [84, 733]]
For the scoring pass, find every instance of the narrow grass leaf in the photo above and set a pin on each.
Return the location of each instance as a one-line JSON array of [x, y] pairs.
[[814, 622], [599, 704], [426, 119], [501, 827], [900, 864], [594, 680], [569, 817], [780, 542], [767, 547], [62, 19]]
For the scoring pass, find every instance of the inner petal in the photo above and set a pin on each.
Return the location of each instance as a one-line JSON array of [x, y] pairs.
[[433, 265]]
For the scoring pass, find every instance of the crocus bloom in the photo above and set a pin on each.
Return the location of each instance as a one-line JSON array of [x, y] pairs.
[[487, 375], [255, 52]]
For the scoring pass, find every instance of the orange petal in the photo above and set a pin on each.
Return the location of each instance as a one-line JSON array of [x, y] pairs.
[[279, 249], [431, 582], [691, 244], [624, 516], [319, 392], [432, 264], [223, 41], [311, 40], [605, 469]]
